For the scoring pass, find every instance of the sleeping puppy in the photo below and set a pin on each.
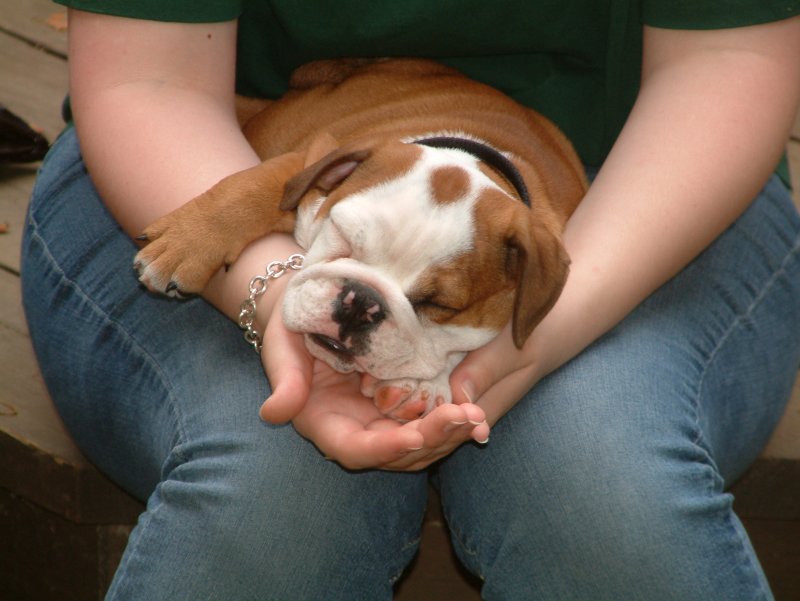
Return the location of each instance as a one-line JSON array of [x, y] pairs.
[[430, 206]]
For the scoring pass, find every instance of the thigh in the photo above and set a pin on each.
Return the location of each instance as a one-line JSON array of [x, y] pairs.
[[607, 481], [163, 396]]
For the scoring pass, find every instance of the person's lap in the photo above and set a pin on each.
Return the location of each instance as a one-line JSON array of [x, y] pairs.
[[608, 476]]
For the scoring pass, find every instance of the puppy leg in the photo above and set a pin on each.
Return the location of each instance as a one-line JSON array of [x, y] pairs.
[[186, 247]]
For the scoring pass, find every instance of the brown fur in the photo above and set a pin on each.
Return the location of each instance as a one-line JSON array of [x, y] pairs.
[[337, 128], [449, 184]]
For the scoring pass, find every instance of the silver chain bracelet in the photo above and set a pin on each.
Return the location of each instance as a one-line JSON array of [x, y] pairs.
[[258, 285]]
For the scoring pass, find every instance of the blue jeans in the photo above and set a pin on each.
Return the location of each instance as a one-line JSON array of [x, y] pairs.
[[606, 482]]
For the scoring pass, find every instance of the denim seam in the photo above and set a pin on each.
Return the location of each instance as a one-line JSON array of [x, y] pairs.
[[457, 538], [409, 545], [137, 349], [735, 323], [744, 561]]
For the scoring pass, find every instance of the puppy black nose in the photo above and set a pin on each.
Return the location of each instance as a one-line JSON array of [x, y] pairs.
[[358, 309]]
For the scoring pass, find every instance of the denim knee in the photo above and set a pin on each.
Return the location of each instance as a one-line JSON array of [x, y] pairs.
[[252, 521], [607, 481], [583, 498]]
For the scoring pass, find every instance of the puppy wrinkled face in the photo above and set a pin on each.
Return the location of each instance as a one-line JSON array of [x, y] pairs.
[[400, 270]]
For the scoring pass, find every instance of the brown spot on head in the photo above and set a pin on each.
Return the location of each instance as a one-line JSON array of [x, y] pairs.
[[449, 184]]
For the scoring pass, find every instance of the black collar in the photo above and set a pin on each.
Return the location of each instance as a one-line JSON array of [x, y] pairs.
[[483, 152]]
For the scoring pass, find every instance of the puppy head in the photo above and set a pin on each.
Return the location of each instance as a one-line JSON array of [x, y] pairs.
[[414, 253]]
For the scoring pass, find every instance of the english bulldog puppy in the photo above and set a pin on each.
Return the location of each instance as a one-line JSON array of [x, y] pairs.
[[430, 207]]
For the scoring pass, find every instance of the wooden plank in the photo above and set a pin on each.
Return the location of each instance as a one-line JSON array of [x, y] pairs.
[[775, 542], [16, 183], [28, 415], [32, 85], [769, 490], [44, 556], [785, 441], [38, 459], [35, 20]]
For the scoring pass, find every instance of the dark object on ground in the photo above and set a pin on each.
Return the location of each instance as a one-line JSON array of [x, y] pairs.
[[19, 143]]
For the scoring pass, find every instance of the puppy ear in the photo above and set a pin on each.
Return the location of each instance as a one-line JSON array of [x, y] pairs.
[[325, 174], [322, 145], [540, 265]]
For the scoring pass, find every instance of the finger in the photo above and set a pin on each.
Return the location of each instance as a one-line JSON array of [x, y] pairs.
[[483, 367], [450, 424], [477, 415], [289, 369], [445, 429], [348, 443]]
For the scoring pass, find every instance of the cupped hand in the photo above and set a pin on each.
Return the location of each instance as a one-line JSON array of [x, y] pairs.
[[328, 408], [347, 427]]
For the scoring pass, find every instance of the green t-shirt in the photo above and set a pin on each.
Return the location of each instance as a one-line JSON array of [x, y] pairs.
[[576, 61]]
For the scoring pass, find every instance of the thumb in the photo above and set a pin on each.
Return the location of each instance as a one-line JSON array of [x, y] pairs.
[[289, 369], [483, 368]]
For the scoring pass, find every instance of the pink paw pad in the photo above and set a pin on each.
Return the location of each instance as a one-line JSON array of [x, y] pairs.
[[388, 397]]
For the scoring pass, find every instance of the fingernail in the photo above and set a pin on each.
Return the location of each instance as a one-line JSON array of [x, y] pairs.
[[453, 426], [260, 409], [484, 441], [468, 388]]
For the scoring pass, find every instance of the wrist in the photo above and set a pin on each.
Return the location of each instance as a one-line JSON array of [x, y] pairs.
[[254, 328], [227, 289]]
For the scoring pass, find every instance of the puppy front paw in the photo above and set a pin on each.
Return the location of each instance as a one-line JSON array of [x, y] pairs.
[[183, 250]]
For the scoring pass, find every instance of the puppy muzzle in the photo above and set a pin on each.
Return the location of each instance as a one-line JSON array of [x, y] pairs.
[[356, 319]]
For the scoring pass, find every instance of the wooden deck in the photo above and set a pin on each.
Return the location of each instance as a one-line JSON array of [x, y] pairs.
[[33, 82]]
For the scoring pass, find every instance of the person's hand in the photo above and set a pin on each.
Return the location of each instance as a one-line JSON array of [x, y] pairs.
[[328, 408], [347, 427], [496, 375]]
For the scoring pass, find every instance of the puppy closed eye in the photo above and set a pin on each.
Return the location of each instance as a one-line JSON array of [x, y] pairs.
[[433, 309]]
